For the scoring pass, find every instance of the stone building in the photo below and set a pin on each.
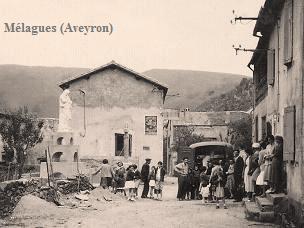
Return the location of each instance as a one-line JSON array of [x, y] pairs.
[[116, 113], [279, 88]]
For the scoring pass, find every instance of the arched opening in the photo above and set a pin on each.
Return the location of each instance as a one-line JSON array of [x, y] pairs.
[[75, 156], [60, 141], [71, 141], [56, 156]]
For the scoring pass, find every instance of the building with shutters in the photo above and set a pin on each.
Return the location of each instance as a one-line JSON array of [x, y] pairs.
[[277, 66]]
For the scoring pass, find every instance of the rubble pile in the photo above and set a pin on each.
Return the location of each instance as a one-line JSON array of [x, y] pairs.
[[73, 185], [11, 193]]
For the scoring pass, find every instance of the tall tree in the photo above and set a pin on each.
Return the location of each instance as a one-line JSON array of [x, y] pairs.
[[240, 132], [20, 131], [185, 136]]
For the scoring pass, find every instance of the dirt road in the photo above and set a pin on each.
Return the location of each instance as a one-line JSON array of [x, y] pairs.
[[122, 213]]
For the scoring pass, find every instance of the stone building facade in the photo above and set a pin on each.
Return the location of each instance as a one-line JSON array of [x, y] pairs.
[[277, 67], [116, 114]]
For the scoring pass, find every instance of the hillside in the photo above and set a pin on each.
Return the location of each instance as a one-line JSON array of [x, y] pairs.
[[36, 87], [240, 98], [193, 87]]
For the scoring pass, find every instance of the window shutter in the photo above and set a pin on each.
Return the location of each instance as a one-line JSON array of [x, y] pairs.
[[288, 32], [289, 133], [270, 67]]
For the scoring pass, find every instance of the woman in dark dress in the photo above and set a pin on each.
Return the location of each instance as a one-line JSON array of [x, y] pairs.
[[119, 177], [277, 167]]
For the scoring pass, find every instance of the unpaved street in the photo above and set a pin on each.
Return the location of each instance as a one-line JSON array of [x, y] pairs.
[[121, 213]]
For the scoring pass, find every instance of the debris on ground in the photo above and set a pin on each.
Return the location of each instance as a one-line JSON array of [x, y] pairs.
[[81, 183], [12, 191], [82, 197], [106, 194]]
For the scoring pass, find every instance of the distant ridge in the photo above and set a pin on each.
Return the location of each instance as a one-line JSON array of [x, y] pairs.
[[194, 87], [37, 86]]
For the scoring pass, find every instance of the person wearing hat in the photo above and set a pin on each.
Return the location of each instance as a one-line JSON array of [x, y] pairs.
[[254, 166], [248, 174], [183, 170], [145, 170]]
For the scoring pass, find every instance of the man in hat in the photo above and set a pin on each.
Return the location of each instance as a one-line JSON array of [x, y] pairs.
[[145, 170], [183, 170]]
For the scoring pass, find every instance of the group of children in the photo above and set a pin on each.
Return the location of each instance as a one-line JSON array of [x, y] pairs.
[[156, 180], [212, 185]]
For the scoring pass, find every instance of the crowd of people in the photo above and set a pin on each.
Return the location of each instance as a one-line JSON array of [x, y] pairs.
[[252, 172], [127, 180]]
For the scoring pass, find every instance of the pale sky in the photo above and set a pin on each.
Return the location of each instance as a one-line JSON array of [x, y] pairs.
[[171, 34]]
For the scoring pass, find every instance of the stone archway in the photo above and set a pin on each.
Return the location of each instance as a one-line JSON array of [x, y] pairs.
[[56, 156], [60, 141]]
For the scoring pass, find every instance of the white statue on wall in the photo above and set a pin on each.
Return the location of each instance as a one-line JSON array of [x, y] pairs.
[[65, 112]]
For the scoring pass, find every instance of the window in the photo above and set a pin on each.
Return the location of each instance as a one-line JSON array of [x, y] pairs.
[[268, 129], [151, 125], [264, 127], [288, 33], [260, 77], [289, 133], [256, 128], [270, 67], [120, 144]]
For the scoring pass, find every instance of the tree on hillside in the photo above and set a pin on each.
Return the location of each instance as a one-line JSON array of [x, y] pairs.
[[185, 136], [238, 99], [240, 132], [20, 131]]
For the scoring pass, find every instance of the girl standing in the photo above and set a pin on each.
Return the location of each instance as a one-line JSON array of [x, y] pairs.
[[268, 160], [137, 177], [204, 185], [152, 178], [217, 177], [260, 180], [219, 192], [130, 184], [230, 178]]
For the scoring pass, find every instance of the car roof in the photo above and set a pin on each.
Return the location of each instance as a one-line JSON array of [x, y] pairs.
[[212, 143]]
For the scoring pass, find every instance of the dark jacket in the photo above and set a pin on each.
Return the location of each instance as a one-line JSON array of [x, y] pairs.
[[238, 168], [162, 173], [253, 163], [145, 172], [130, 175], [137, 175]]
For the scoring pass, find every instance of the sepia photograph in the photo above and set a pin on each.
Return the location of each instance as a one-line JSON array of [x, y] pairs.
[[152, 113]]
